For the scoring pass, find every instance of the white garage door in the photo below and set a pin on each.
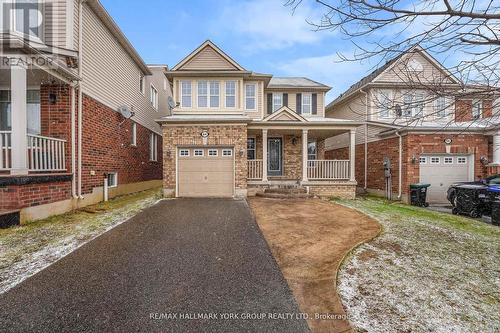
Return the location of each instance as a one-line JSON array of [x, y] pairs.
[[205, 172], [443, 170]]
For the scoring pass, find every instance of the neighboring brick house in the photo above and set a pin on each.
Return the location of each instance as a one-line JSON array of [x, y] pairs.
[[413, 133], [61, 130], [236, 132]]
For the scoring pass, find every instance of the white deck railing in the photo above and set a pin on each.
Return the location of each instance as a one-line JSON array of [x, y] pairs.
[[327, 169], [5, 150], [46, 154], [254, 169]]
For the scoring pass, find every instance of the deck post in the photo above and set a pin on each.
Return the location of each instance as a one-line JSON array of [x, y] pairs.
[[19, 118], [352, 156], [264, 155], [304, 155]]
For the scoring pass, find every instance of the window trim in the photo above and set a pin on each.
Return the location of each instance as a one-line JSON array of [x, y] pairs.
[[385, 111], [254, 97], [153, 147], [210, 94], [459, 158], [422, 160], [438, 112], [134, 134], [213, 150], [254, 149], [434, 157], [115, 177], [281, 101], [155, 102], [481, 111], [309, 141], [198, 95], [142, 85], [184, 155], [448, 158], [224, 151], [233, 95], [190, 84], [303, 104], [195, 151]]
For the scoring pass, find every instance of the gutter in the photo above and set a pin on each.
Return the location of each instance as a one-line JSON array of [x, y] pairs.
[[400, 165], [366, 138]]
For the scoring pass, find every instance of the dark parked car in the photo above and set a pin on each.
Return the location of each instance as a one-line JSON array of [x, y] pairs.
[[472, 198]]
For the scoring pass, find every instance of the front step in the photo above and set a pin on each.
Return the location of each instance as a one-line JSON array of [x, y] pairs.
[[285, 195], [285, 190]]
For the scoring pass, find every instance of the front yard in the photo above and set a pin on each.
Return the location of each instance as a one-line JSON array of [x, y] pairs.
[[426, 272], [27, 249]]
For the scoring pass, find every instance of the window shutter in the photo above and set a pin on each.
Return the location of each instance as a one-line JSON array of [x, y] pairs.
[[314, 104], [299, 103], [285, 99], [269, 103]]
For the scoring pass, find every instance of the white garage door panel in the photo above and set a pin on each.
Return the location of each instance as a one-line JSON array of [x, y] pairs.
[[206, 176], [441, 175]]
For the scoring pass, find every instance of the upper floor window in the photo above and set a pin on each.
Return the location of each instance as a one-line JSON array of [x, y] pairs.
[[440, 107], [277, 101], [23, 17], [250, 95], [165, 84], [153, 96], [186, 94], [230, 94], [142, 86], [202, 94], [418, 110], [384, 101], [477, 109], [306, 103], [214, 94], [413, 104]]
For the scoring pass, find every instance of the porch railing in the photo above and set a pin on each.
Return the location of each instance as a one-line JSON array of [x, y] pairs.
[[5, 150], [46, 154], [254, 169], [327, 169]]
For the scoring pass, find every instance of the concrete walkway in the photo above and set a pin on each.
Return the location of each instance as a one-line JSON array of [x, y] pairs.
[[169, 264], [309, 239]]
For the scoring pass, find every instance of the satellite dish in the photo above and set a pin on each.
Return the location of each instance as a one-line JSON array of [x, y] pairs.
[[125, 111], [171, 103]]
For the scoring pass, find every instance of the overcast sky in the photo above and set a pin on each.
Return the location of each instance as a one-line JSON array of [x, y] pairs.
[[261, 35]]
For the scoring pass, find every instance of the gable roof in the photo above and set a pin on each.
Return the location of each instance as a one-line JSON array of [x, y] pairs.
[[296, 82], [388, 65], [212, 47], [284, 114]]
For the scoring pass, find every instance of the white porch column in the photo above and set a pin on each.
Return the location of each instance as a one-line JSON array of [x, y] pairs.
[[264, 155], [496, 149], [352, 156], [19, 121], [304, 155]]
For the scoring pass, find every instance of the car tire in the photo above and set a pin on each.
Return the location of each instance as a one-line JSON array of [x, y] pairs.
[[475, 214]]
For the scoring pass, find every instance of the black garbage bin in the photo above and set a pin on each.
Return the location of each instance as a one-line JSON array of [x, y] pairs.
[[472, 200], [418, 195], [495, 204]]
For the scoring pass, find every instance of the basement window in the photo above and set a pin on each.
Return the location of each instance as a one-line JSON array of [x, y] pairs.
[[112, 179]]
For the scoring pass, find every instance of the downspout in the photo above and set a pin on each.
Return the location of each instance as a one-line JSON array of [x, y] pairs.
[[80, 95], [73, 141], [366, 138], [400, 164]]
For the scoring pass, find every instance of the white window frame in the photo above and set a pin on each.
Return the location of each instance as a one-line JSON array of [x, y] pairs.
[[479, 114], [315, 155], [198, 152], [153, 96], [254, 149], [385, 95], [153, 147], [165, 84], [142, 85], [230, 95], [304, 105], [448, 160], [418, 108], [277, 106], [134, 134], [461, 160], [114, 176], [184, 153], [210, 152], [188, 93], [423, 160], [440, 110], [435, 157], [199, 88], [13, 24], [213, 97], [250, 97], [227, 152], [408, 100]]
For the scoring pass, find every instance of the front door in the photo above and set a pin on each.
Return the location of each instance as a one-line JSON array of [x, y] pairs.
[[274, 157]]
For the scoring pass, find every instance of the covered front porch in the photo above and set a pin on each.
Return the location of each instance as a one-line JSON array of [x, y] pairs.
[[35, 122], [292, 152]]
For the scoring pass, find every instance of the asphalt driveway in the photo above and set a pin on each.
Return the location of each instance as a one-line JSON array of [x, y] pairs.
[[180, 259]]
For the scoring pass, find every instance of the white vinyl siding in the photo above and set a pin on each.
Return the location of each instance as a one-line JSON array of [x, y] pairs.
[[202, 94], [250, 96], [153, 147], [186, 92], [208, 59], [230, 94]]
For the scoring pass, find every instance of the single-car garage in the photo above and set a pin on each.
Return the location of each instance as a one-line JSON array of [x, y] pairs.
[[442, 170], [205, 172]]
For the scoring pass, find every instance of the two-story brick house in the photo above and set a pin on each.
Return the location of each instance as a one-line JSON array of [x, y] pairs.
[[235, 132], [61, 130], [416, 129]]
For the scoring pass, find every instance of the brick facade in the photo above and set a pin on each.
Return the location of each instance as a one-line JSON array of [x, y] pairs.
[[107, 138], [413, 146], [21, 196], [463, 109], [190, 135]]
